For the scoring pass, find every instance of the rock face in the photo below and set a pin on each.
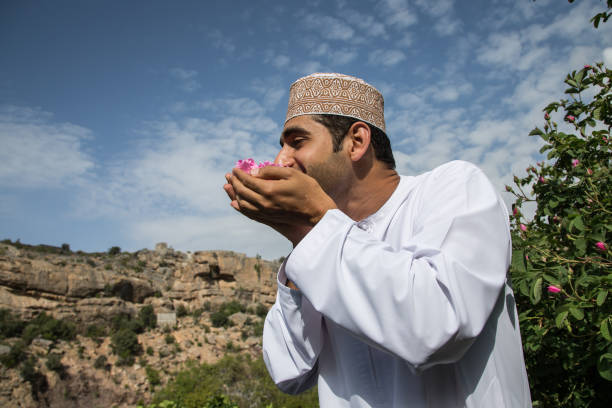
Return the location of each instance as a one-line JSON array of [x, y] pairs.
[[91, 289]]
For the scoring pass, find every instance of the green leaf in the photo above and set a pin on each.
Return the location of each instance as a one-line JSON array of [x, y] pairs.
[[577, 313], [560, 319], [580, 245], [597, 113], [536, 132], [578, 223], [601, 297], [551, 279], [579, 76], [536, 291], [605, 329], [604, 366], [518, 261]]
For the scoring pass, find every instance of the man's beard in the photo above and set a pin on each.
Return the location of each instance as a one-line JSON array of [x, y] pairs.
[[329, 174]]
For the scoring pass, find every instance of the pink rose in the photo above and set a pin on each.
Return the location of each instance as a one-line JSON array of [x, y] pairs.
[[523, 227], [587, 67], [570, 118], [589, 171], [553, 289], [575, 162], [250, 166], [542, 179], [514, 211], [601, 246], [546, 116]]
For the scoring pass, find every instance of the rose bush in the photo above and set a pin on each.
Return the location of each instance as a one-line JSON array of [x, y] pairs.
[[565, 248]]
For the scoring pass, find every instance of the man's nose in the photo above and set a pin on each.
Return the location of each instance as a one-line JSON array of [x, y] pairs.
[[284, 157]]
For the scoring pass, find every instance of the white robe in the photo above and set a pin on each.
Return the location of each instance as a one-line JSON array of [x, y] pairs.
[[409, 307]]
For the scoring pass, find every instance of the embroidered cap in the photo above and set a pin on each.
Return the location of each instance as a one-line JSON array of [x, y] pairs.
[[336, 94]]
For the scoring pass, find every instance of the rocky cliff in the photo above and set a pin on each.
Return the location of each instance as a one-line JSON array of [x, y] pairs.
[[92, 289]]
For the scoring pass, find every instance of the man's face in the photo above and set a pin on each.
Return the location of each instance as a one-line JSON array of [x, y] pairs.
[[307, 146]]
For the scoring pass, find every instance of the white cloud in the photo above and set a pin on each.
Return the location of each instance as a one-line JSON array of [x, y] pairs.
[[38, 152], [222, 41], [180, 166], [502, 49], [446, 26], [607, 56], [436, 8], [309, 67], [281, 61], [387, 57], [271, 90], [187, 78], [328, 27], [398, 14]]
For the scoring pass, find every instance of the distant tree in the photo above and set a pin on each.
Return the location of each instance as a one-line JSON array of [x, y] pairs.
[[114, 251], [147, 316], [181, 311]]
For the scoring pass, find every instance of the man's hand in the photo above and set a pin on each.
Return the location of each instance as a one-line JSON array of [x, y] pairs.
[[286, 199]]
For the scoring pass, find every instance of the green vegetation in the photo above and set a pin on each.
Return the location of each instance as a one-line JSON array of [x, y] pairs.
[[562, 262], [244, 381], [15, 356], [54, 363], [181, 311], [147, 316], [95, 331], [152, 376], [9, 325], [114, 251], [101, 363], [220, 318], [261, 310], [125, 345], [48, 328]]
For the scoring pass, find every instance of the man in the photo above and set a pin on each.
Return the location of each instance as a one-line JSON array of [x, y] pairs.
[[395, 294]]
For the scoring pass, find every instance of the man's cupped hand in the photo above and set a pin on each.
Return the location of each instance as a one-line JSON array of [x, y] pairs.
[[283, 198]]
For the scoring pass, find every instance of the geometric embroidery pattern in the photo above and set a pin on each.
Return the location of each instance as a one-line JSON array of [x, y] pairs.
[[336, 94]]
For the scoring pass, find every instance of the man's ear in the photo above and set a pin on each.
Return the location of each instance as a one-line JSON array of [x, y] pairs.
[[359, 136]]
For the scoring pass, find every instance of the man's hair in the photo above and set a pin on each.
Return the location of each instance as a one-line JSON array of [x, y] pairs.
[[339, 126]]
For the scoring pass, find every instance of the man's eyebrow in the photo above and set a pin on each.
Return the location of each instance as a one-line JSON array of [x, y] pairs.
[[290, 130]]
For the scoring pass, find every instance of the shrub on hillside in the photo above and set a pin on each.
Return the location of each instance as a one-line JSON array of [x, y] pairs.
[[220, 318], [10, 326], [125, 345], [152, 376], [147, 316], [15, 356], [48, 328], [181, 311], [54, 363]]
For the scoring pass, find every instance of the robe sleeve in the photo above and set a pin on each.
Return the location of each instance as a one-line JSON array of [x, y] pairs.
[[425, 299], [292, 339]]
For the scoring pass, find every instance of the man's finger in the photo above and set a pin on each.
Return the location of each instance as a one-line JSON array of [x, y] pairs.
[[253, 183], [229, 190], [274, 172], [244, 192]]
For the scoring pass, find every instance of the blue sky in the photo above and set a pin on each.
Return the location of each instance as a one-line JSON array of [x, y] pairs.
[[118, 119]]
